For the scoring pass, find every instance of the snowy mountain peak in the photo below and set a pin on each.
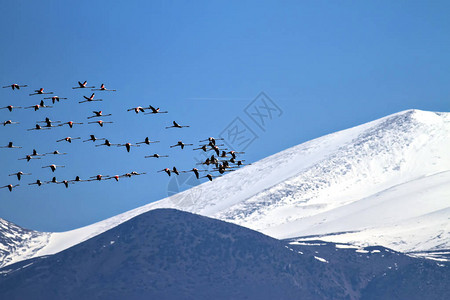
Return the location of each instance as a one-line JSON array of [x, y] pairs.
[[385, 183]]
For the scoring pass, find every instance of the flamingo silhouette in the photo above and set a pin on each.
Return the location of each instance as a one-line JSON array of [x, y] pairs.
[[103, 88], [38, 183], [176, 125], [90, 99], [56, 152], [10, 145], [137, 109], [100, 122], [68, 139], [10, 107], [98, 114], [156, 156], [40, 92], [38, 106], [55, 99], [83, 86], [19, 174], [181, 144], [8, 122], [156, 111], [128, 146], [15, 86], [10, 187], [93, 138], [167, 170], [29, 157], [147, 141], [70, 123], [53, 167], [196, 172]]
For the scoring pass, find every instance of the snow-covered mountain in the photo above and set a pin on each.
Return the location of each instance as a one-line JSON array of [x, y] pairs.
[[386, 183]]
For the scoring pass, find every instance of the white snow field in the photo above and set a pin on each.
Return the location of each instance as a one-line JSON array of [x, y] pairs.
[[386, 182]]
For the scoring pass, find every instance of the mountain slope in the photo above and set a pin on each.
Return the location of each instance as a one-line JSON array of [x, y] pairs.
[[15, 239], [170, 254], [385, 182]]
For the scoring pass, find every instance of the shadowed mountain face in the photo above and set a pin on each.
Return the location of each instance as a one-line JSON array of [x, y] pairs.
[[169, 254]]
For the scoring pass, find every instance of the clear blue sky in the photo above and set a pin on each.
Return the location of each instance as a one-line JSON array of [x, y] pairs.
[[328, 65]]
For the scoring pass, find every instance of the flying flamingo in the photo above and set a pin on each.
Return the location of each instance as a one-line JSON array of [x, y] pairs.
[[36, 154], [40, 92], [195, 170], [181, 144], [10, 107], [103, 88], [222, 169], [38, 183], [100, 122], [7, 122], [10, 145], [176, 125], [37, 127], [206, 162], [167, 170], [53, 167], [77, 179], [10, 186], [56, 152], [216, 149], [205, 147], [239, 163], [93, 138], [52, 181], [174, 170], [116, 177], [106, 143], [211, 140], [98, 177], [233, 153], [83, 86], [38, 106], [90, 99], [55, 99], [19, 174], [15, 86], [70, 123], [29, 157], [68, 139], [65, 182], [209, 176], [49, 122], [157, 111], [210, 161], [147, 141], [156, 155], [137, 109], [128, 146], [98, 114], [134, 173]]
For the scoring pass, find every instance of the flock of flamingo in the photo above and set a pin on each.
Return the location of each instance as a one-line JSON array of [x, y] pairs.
[[222, 161]]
